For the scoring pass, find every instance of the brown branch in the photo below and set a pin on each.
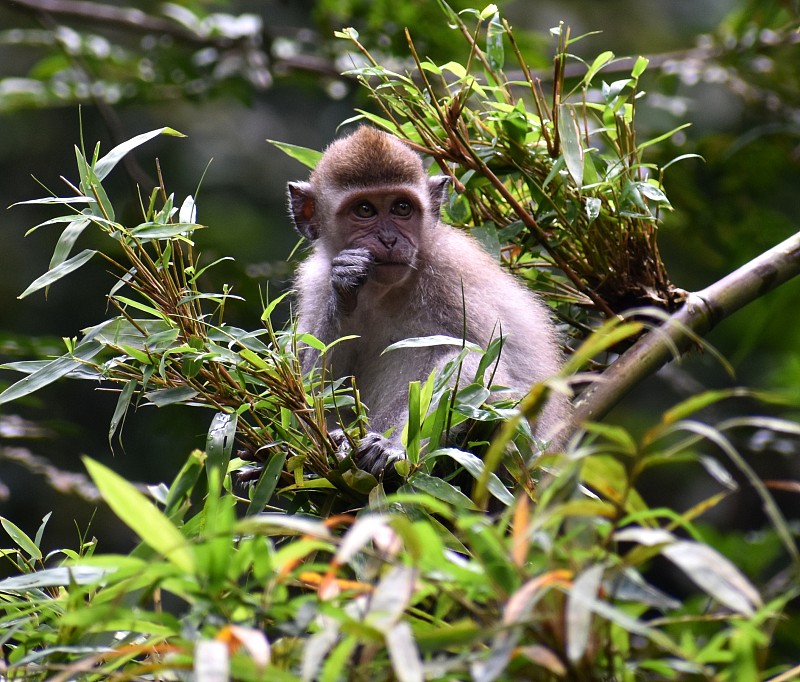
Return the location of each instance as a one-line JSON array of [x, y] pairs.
[[127, 18], [702, 312]]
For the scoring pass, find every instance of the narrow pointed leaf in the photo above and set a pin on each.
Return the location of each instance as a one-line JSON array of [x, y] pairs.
[[58, 272], [105, 165], [571, 145], [51, 372], [21, 539], [219, 442], [141, 516], [308, 157], [67, 240], [579, 611], [714, 574]]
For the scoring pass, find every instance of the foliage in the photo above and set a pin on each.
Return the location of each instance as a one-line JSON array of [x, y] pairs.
[[566, 179], [558, 582], [413, 588], [178, 53]]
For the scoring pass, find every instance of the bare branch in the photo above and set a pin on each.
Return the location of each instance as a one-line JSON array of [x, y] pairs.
[[702, 311], [127, 18]]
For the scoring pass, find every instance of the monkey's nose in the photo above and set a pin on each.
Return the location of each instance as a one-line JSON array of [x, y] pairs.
[[387, 240]]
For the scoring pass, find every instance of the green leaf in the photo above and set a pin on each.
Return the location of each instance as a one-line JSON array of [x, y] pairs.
[[141, 516], [267, 482], [183, 484], [58, 272], [428, 341], [599, 62], [21, 539], [171, 396], [121, 409], [474, 466], [169, 231], [571, 146], [51, 372], [219, 442], [67, 240], [640, 66], [441, 490], [308, 157], [714, 574], [105, 165], [494, 43]]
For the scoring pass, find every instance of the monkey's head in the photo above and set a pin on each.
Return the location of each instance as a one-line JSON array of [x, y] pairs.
[[370, 191]]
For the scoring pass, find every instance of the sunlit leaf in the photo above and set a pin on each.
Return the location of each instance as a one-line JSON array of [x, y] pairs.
[[219, 442], [714, 574], [429, 341], [21, 539], [55, 577], [308, 157], [404, 653], [141, 516], [105, 165]]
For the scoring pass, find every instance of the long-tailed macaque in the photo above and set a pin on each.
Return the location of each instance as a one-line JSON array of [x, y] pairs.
[[383, 267]]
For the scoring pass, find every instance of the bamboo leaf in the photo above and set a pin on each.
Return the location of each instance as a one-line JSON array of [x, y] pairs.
[[52, 371], [58, 272], [219, 442], [267, 482], [21, 539], [308, 157], [141, 516], [579, 612], [67, 240], [714, 574], [169, 231], [105, 165], [121, 409], [571, 145], [435, 340]]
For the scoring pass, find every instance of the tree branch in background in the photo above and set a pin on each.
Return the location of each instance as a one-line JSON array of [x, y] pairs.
[[701, 312], [126, 18]]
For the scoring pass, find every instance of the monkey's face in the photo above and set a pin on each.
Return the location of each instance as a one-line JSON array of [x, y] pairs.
[[388, 223]]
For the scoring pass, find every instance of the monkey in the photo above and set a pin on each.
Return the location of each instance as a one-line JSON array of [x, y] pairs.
[[384, 267]]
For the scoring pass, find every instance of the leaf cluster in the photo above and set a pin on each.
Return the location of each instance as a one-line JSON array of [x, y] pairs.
[[412, 588], [557, 186]]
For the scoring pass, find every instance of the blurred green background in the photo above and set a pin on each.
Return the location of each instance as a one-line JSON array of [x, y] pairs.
[[233, 75]]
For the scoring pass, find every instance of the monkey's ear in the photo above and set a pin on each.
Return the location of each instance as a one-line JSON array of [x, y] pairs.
[[303, 209], [437, 187]]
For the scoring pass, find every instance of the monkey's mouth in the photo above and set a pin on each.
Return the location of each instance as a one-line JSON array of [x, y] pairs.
[[391, 264], [390, 272]]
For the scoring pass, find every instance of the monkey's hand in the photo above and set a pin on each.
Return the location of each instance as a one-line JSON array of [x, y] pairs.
[[349, 270], [374, 453]]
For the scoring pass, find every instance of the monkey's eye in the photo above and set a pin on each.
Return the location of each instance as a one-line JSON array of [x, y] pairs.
[[364, 209], [402, 208]]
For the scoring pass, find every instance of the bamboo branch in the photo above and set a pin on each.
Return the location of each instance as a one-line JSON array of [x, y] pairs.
[[701, 312]]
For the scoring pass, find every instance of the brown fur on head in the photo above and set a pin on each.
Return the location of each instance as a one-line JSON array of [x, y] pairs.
[[361, 156]]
